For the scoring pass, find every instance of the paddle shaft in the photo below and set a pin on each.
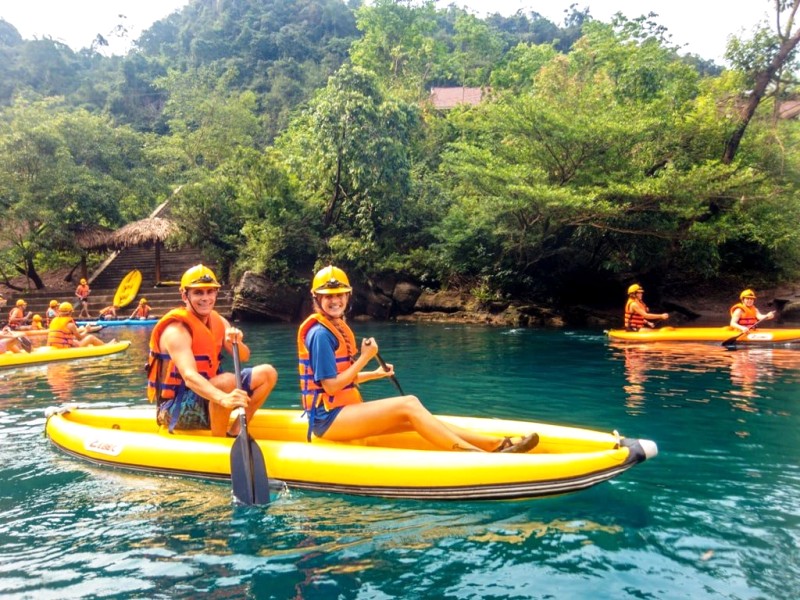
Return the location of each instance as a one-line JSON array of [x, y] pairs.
[[385, 367]]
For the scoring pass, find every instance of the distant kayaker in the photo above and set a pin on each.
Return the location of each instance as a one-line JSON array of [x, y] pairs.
[[183, 369], [637, 314], [82, 292], [109, 313], [17, 317], [52, 312], [65, 333], [142, 310], [744, 314], [330, 373]]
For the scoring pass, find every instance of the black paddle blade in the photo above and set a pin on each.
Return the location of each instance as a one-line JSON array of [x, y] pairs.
[[248, 472]]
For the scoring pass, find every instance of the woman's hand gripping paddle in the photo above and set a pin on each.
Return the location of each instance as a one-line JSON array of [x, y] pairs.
[[249, 479], [730, 343]]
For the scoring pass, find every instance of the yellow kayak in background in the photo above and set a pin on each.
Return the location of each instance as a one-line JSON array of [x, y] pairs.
[[403, 465], [706, 334], [128, 288], [46, 354]]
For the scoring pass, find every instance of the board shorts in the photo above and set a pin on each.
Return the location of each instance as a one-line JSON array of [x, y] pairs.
[[320, 419], [187, 410]]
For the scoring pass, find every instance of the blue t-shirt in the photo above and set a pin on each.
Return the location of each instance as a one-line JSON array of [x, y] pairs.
[[322, 345]]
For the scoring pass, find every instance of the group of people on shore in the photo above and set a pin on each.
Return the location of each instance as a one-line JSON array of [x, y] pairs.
[[191, 392], [744, 314]]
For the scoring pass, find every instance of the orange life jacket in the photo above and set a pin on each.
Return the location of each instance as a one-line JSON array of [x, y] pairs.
[[141, 311], [82, 291], [749, 316], [16, 317], [163, 378], [312, 393], [58, 334], [634, 321]]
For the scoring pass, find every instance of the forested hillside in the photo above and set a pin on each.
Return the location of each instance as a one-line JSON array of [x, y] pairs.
[[302, 132]]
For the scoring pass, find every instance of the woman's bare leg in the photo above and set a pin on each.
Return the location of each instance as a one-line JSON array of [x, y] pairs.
[[402, 413]]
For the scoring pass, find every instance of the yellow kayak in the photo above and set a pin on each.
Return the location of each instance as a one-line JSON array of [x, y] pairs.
[[128, 288], [706, 334], [403, 465], [46, 354]]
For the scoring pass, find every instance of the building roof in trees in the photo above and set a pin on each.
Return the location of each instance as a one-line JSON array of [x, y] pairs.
[[450, 97]]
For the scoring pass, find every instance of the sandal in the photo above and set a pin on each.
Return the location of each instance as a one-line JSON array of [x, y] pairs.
[[526, 444]]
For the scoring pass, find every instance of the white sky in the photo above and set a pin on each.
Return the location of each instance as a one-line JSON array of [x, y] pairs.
[[702, 25]]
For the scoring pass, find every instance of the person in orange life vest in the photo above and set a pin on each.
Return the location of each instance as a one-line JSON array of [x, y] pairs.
[[142, 310], [36, 323], [184, 375], [17, 317], [52, 312], [330, 372], [109, 313], [82, 292], [636, 311], [744, 314], [64, 333]]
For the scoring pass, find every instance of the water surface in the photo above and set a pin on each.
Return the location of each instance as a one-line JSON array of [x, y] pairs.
[[715, 515]]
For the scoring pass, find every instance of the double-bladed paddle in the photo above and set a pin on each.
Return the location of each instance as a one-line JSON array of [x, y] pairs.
[[732, 340], [249, 479]]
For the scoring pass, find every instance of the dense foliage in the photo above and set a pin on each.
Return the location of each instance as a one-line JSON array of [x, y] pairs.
[[300, 133]]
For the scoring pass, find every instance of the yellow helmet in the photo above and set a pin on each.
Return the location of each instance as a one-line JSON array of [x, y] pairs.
[[748, 293], [37, 317], [330, 280], [199, 276], [83, 281], [53, 303], [65, 307], [143, 301], [21, 302], [634, 289]]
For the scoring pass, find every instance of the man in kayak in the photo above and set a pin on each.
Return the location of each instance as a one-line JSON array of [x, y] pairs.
[[183, 368], [330, 373], [17, 317], [52, 312], [63, 332], [745, 315], [142, 310], [637, 314], [109, 313]]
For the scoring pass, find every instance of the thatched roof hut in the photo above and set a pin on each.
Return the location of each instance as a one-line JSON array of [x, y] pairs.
[[153, 231], [91, 237]]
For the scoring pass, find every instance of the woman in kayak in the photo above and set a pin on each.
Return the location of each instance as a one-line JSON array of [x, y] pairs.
[[330, 372], [637, 314], [745, 315]]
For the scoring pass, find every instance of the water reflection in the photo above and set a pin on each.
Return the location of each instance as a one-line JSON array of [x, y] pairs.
[[750, 370]]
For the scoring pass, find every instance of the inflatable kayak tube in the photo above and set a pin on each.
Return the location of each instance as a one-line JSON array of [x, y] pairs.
[[706, 334], [119, 322], [396, 466], [47, 354]]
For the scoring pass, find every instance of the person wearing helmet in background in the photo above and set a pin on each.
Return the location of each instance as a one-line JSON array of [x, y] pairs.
[[330, 372], [52, 312], [745, 315], [36, 322], [17, 317], [82, 292], [637, 314], [109, 313], [142, 310], [183, 368], [65, 333]]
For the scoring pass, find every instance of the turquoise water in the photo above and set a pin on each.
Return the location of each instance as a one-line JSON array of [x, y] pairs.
[[715, 515]]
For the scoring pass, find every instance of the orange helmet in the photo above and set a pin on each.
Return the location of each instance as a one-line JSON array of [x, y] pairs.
[[331, 280], [199, 276], [748, 293], [65, 307]]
